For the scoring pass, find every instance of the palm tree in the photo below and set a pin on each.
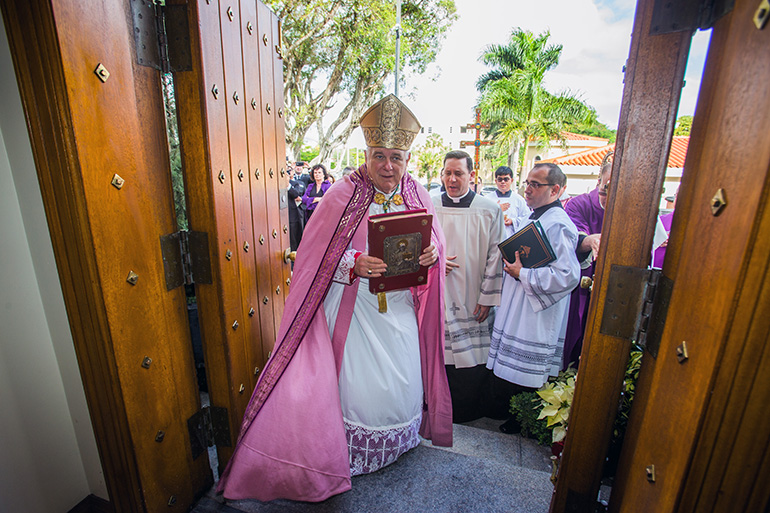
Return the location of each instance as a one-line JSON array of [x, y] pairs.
[[514, 100], [430, 157]]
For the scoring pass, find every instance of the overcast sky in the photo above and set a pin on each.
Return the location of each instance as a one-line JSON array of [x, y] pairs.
[[595, 34]]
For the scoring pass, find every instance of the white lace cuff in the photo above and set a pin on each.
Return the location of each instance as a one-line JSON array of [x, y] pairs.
[[344, 273]]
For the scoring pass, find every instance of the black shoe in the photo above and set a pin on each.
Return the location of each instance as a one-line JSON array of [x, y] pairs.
[[510, 426]]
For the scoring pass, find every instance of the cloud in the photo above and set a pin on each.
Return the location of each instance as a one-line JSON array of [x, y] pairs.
[[596, 37]]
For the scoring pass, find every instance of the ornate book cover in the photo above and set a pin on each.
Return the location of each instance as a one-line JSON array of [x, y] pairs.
[[533, 246], [399, 238]]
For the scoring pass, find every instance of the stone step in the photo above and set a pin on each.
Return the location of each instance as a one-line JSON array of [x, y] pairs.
[[482, 439], [485, 472]]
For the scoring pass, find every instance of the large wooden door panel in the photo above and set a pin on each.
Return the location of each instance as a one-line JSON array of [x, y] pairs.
[[653, 82], [201, 97], [252, 72], [131, 334], [227, 115], [271, 78], [118, 127], [689, 424]]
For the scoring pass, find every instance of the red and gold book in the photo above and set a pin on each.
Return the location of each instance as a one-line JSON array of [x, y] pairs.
[[399, 238]]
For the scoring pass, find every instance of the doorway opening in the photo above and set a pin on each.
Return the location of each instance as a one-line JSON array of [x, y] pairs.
[[180, 207]]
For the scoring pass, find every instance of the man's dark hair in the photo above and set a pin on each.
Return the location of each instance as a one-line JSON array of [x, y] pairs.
[[504, 171], [555, 174], [459, 154]]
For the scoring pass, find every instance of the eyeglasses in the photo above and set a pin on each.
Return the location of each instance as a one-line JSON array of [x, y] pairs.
[[536, 185], [503, 178]]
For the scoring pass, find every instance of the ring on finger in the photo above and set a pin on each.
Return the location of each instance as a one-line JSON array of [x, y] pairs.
[[369, 271]]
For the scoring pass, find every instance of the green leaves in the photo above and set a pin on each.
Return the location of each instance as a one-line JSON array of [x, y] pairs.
[[683, 125], [556, 402], [513, 98], [430, 157], [338, 54]]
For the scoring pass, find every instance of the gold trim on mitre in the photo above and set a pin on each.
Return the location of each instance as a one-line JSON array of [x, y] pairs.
[[389, 124]]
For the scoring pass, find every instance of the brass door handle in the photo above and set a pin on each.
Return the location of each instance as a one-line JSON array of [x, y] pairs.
[[586, 282], [288, 255]]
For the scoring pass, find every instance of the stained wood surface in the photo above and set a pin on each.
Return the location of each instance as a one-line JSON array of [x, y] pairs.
[[264, 318], [703, 422], [653, 81], [271, 79], [230, 133]]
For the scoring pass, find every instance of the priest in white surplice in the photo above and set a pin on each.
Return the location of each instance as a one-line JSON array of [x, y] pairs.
[[528, 335], [507, 198], [473, 226]]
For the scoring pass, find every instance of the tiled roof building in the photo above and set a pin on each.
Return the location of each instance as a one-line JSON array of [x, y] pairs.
[[594, 156]]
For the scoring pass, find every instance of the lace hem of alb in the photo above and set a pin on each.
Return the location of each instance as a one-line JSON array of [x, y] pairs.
[[372, 449]]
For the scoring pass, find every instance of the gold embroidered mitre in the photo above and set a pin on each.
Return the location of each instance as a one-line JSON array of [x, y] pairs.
[[389, 124]]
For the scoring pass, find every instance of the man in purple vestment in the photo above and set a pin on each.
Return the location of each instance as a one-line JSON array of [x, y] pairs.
[[587, 212], [659, 254], [353, 377]]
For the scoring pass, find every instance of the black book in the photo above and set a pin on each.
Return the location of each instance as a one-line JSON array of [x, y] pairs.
[[532, 245]]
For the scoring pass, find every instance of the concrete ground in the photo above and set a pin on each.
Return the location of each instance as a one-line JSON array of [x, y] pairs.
[[485, 471]]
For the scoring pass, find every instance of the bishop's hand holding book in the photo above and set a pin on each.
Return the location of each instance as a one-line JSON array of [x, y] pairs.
[[400, 239], [368, 265], [400, 253]]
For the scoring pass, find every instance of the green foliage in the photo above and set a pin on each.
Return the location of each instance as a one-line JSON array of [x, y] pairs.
[[624, 410], [338, 54], [683, 125], [497, 161], [308, 153], [525, 407], [342, 157], [430, 157], [172, 133], [514, 100], [551, 404], [596, 129], [556, 402], [627, 395]]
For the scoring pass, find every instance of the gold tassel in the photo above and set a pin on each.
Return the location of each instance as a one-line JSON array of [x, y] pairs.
[[383, 302]]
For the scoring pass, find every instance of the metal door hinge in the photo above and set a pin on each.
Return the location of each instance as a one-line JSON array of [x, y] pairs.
[[636, 305], [162, 35], [185, 258], [207, 427]]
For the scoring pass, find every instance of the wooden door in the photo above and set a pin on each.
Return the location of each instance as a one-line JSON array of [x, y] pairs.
[[653, 82], [697, 439], [97, 127], [231, 128], [702, 421]]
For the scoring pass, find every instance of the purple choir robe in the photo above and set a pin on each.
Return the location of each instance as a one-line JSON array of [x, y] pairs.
[[660, 253], [588, 215]]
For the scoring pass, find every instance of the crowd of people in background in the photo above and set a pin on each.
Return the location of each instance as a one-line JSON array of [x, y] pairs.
[[307, 186]]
